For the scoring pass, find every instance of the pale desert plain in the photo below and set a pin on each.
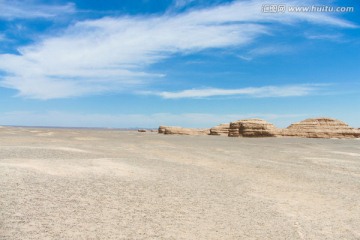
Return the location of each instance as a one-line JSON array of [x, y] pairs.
[[112, 184]]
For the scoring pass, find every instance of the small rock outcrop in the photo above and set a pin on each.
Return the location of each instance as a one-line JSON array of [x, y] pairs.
[[182, 131], [161, 129], [220, 130], [321, 128], [253, 128], [141, 130]]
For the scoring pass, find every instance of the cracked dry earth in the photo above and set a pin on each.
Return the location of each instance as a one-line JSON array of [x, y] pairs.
[[109, 184]]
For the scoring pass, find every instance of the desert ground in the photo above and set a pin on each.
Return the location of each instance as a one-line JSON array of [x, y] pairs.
[[112, 184]]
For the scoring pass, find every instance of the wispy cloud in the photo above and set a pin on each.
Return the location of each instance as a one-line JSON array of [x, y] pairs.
[[182, 3], [258, 92], [2, 37], [68, 119], [14, 9], [332, 37], [111, 54], [266, 50]]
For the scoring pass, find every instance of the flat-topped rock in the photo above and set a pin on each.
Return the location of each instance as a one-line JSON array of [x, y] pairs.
[[253, 128], [321, 128], [220, 130], [183, 131]]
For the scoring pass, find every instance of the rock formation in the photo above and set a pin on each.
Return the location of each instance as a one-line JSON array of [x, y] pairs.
[[161, 129], [253, 128], [141, 130], [309, 128], [220, 130], [183, 131], [321, 128]]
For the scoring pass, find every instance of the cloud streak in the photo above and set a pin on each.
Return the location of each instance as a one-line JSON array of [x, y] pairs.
[[257, 92], [113, 53], [14, 9], [265, 51]]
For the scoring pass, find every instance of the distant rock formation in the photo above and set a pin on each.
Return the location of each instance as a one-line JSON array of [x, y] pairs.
[[183, 131], [141, 130], [253, 128], [220, 130], [309, 128], [321, 128], [161, 129]]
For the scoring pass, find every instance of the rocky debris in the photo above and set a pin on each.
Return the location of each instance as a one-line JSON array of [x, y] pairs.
[[253, 128], [220, 130], [182, 131], [321, 128], [141, 130]]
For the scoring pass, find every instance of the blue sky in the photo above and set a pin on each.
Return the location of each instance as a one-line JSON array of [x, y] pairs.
[[194, 63]]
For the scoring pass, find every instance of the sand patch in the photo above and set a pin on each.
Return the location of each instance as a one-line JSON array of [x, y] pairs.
[[347, 153], [327, 160], [65, 149], [87, 138], [68, 149], [46, 134], [77, 168]]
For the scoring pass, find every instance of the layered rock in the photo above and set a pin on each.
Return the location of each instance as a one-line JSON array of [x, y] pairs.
[[253, 128], [309, 128], [183, 131], [321, 128], [220, 130]]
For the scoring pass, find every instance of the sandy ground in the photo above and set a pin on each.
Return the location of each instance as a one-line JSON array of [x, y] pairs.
[[102, 184]]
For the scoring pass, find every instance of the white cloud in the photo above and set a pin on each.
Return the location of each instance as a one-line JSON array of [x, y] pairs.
[[14, 9], [259, 92], [266, 50], [332, 37], [111, 54], [182, 3], [200, 120]]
